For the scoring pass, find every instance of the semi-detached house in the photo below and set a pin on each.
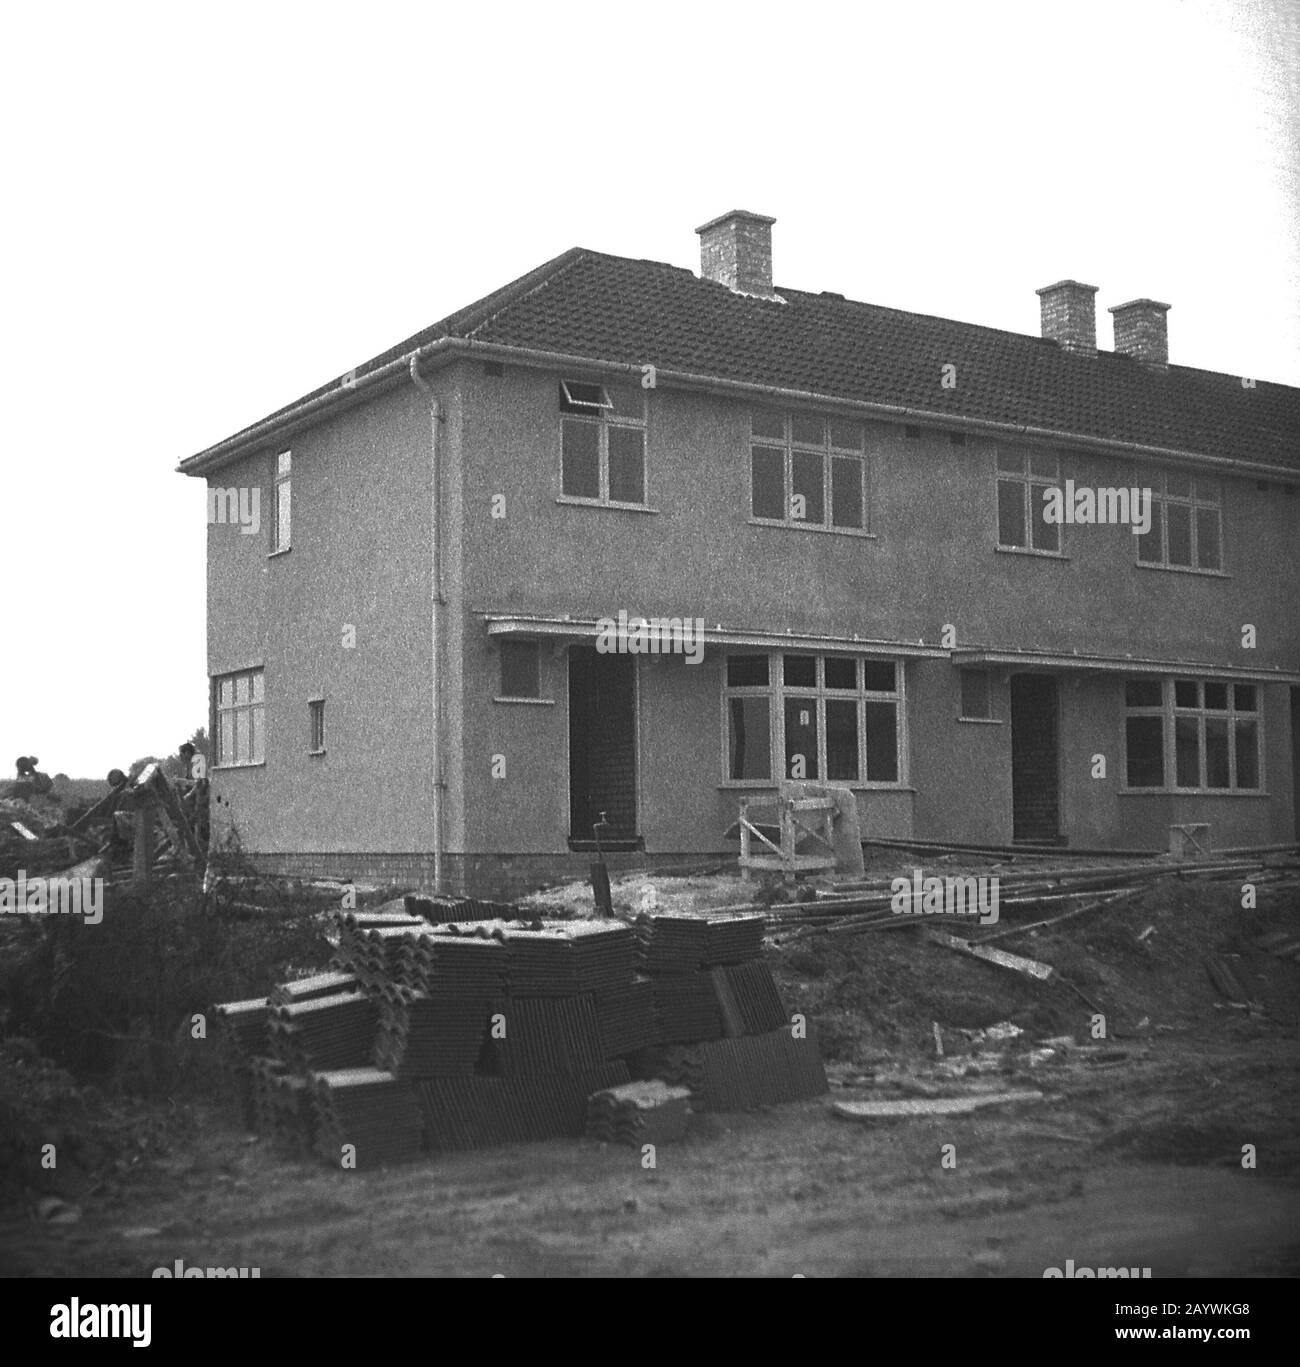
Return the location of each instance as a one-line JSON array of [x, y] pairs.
[[406, 662]]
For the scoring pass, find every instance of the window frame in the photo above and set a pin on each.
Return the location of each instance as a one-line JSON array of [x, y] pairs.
[[777, 693], [1032, 486], [962, 714], [254, 706], [1195, 503], [282, 487], [829, 453], [604, 417], [1169, 710], [536, 647], [316, 726]]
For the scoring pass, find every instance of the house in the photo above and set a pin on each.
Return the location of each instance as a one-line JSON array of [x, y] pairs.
[[1007, 588]]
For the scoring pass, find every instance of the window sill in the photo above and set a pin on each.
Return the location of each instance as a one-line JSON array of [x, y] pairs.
[[982, 721], [814, 527], [252, 764], [528, 702], [1193, 792], [742, 785], [284, 550], [1030, 551], [1182, 569], [603, 503]]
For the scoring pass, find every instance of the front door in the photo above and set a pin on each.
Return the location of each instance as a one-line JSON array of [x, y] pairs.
[[602, 744], [1035, 759]]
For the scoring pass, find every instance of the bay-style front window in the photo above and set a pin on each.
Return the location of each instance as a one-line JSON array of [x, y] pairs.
[[836, 718], [1194, 735]]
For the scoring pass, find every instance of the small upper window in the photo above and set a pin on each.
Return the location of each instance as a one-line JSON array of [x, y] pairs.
[[577, 396], [976, 695], [283, 491], [316, 725], [520, 669]]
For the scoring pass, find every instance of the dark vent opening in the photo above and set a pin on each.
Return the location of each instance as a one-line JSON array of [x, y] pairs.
[[912, 432], [957, 438], [494, 368]]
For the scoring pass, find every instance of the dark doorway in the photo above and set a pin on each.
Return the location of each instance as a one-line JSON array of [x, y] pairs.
[[602, 746], [1295, 758], [1035, 760]]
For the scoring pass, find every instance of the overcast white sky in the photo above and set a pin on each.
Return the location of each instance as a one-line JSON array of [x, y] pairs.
[[211, 210]]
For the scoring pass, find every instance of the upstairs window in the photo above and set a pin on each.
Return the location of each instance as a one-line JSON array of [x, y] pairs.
[[1186, 524], [808, 472], [1022, 478], [283, 490], [239, 717], [603, 443]]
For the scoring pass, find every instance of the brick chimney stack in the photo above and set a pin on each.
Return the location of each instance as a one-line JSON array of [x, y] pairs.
[[1069, 312], [1142, 331], [736, 251]]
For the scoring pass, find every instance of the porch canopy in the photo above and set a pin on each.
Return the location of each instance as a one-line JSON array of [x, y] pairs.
[[986, 657], [578, 629]]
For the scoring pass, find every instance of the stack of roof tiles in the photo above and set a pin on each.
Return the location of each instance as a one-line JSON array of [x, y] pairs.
[[241, 1035], [540, 1036], [464, 1033], [686, 1007], [739, 1074], [748, 1000], [450, 962], [476, 1112], [567, 958], [709, 981], [241, 1029], [671, 943], [426, 1036], [337, 1031], [443, 909], [365, 1116], [307, 989], [649, 1112], [627, 1018]]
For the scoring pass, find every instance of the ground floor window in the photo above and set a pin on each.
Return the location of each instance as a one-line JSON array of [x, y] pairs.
[[1195, 735], [837, 718], [239, 717]]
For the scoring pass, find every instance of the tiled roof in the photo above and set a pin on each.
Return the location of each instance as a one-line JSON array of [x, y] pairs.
[[614, 309]]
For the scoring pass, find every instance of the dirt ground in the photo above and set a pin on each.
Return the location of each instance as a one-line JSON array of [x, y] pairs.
[[1132, 1157]]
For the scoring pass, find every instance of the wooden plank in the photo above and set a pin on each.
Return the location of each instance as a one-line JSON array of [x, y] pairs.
[[932, 1105], [1016, 962]]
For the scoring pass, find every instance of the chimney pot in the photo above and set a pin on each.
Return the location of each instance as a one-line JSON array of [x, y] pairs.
[[1142, 331], [1069, 312], [736, 251]]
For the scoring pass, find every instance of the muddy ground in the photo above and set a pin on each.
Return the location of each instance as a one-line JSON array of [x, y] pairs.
[[1132, 1157]]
